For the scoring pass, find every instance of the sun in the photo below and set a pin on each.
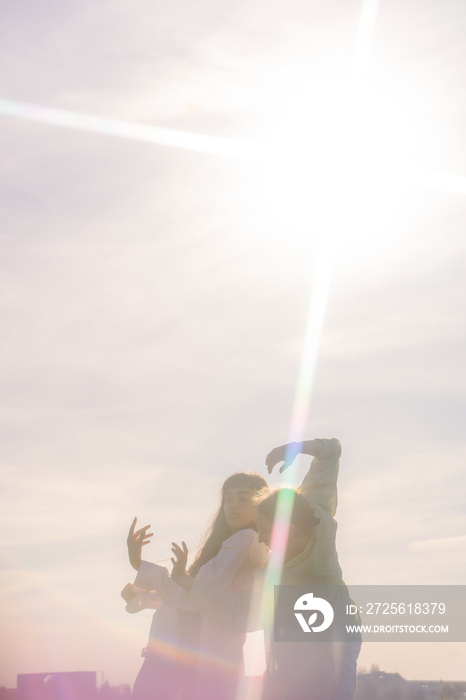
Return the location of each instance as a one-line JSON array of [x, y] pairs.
[[334, 167]]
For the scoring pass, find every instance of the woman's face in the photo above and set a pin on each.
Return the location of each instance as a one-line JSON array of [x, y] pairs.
[[239, 509]]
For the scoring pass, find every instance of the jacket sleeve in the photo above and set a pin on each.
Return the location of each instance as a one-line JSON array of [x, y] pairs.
[[221, 571], [142, 601], [224, 570], [155, 578], [319, 486]]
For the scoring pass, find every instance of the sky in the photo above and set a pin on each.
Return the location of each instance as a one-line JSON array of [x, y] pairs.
[[170, 313]]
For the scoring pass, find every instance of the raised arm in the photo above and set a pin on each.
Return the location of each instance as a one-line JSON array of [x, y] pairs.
[[153, 583], [225, 570], [288, 453], [135, 542], [319, 486], [231, 569]]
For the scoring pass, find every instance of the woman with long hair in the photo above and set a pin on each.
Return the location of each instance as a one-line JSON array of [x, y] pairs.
[[185, 651]]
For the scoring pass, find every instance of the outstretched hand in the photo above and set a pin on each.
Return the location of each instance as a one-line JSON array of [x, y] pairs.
[[180, 560], [284, 453], [179, 574], [136, 541]]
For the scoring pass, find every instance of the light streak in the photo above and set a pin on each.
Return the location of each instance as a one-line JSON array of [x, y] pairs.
[[313, 333], [321, 288], [200, 143]]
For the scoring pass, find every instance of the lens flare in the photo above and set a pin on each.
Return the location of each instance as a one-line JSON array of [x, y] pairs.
[[200, 143]]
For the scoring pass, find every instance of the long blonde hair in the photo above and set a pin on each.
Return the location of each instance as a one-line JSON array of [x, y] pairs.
[[219, 531]]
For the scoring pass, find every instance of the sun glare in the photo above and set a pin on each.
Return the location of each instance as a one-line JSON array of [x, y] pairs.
[[335, 166]]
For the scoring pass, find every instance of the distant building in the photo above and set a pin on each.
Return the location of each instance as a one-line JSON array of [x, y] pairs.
[[378, 685], [72, 685], [8, 693]]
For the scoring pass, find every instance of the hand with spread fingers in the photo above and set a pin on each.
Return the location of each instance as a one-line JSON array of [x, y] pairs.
[[179, 574], [136, 541]]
